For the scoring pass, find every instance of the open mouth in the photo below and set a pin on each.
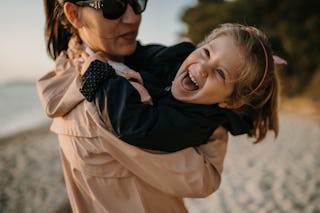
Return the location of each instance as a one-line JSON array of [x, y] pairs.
[[189, 83]]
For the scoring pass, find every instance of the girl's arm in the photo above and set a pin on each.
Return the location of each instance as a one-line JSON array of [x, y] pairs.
[[59, 89], [159, 61], [162, 127]]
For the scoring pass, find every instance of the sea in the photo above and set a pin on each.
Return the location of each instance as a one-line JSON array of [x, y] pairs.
[[20, 108]]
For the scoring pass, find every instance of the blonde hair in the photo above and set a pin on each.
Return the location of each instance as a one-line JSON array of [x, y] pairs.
[[258, 82]]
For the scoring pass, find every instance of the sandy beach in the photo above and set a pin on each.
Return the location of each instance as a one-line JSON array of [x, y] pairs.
[[276, 176], [273, 177], [31, 176]]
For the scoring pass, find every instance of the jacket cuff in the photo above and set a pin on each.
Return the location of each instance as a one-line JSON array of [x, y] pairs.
[[96, 74]]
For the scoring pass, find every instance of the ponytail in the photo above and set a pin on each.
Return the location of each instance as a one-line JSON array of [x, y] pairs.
[[58, 30]]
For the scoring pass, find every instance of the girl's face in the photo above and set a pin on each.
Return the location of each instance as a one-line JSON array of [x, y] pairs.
[[205, 77], [116, 38]]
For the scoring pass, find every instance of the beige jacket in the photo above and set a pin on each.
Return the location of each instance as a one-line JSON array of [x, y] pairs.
[[105, 174]]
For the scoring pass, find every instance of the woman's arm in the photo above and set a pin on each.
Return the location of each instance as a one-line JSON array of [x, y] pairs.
[[191, 172], [59, 89]]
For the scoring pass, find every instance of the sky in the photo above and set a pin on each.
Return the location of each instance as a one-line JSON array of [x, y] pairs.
[[23, 55]]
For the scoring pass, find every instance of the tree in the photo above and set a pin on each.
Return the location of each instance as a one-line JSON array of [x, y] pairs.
[[293, 27]]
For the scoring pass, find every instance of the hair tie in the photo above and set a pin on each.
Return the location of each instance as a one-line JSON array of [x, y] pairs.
[[279, 60]]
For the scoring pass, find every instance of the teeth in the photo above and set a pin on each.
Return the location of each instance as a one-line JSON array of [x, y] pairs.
[[193, 80]]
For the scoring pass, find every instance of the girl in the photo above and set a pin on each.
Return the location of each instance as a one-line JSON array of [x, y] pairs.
[[229, 81]]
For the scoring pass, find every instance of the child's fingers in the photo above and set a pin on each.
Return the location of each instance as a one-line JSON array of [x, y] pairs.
[[75, 48], [90, 58], [84, 55], [130, 74]]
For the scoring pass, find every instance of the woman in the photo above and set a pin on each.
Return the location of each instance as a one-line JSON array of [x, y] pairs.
[[102, 173]]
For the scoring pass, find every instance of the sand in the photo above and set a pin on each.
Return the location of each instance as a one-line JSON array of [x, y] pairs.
[[31, 174], [276, 176]]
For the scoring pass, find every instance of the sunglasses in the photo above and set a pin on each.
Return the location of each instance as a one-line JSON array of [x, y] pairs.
[[113, 9]]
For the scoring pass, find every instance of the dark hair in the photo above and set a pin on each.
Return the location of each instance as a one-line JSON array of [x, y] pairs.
[[58, 30]]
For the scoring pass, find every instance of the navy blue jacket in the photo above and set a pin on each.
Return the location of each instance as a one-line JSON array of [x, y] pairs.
[[168, 125]]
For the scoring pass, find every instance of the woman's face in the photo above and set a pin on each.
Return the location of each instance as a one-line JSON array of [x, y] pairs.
[[205, 77], [116, 38]]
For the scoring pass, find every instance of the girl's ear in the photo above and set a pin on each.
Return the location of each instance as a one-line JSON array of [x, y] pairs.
[[71, 12], [231, 105]]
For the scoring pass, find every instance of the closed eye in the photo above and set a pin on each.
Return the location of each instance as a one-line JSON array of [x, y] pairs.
[[221, 73], [206, 52]]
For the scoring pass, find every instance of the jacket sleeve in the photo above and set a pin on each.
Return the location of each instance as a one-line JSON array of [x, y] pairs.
[[191, 172], [159, 61], [59, 89], [159, 127]]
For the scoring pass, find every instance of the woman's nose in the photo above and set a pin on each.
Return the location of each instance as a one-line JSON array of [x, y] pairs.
[[129, 17]]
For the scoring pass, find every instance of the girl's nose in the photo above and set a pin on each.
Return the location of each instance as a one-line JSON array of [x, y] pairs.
[[203, 73], [129, 17], [204, 68]]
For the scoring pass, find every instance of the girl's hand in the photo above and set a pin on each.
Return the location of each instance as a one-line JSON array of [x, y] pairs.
[[75, 48], [130, 75], [90, 58], [79, 57]]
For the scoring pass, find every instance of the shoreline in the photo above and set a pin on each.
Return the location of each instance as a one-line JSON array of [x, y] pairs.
[[41, 129]]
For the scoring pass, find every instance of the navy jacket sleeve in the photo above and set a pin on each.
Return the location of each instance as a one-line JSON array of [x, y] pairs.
[[168, 125], [159, 61], [161, 127]]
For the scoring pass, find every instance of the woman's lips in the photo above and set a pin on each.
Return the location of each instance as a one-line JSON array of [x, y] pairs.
[[130, 36]]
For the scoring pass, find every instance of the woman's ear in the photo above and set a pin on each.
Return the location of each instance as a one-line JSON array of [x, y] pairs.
[[231, 105], [71, 12]]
